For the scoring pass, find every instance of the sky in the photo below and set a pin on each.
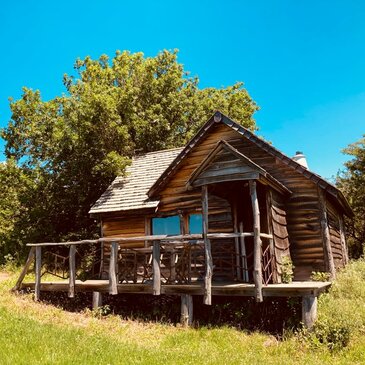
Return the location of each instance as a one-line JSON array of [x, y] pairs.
[[303, 62]]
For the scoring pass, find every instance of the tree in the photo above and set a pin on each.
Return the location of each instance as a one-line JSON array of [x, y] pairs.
[[72, 146], [352, 182]]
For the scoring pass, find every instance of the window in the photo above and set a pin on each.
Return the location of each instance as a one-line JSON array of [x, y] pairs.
[[167, 225], [195, 223]]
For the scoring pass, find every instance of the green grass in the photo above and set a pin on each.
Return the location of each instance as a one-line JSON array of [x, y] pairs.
[[37, 333]]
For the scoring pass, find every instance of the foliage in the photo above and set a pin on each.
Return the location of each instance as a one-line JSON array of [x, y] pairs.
[[352, 183], [341, 314], [287, 268], [69, 149], [320, 276]]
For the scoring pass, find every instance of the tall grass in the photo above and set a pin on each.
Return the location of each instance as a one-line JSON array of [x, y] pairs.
[[38, 333]]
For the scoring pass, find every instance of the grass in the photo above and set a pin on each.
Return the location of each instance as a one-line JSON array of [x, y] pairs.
[[38, 333]]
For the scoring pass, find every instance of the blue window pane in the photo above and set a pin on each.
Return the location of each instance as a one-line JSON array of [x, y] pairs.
[[195, 223], [168, 225]]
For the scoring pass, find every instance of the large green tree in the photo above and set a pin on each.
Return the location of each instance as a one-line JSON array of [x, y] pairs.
[[72, 146], [352, 182]]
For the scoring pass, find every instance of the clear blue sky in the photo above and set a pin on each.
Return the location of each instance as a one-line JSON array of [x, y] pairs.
[[303, 62]]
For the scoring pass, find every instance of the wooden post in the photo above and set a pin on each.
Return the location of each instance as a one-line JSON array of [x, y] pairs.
[[345, 254], [330, 264], [97, 300], [25, 269], [156, 268], [207, 248], [257, 242], [38, 268], [309, 310], [113, 269], [244, 256], [72, 272], [186, 310], [237, 244]]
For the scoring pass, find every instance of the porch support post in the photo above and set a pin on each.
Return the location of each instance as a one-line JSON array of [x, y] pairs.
[[309, 310], [25, 269], [186, 310], [38, 268], [113, 269], [207, 248], [72, 272], [156, 268], [97, 300], [330, 264], [257, 242]]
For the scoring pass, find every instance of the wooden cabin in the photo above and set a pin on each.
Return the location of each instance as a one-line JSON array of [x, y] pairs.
[[224, 215], [299, 215]]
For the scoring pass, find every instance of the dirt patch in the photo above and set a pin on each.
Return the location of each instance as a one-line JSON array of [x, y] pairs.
[[4, 276]]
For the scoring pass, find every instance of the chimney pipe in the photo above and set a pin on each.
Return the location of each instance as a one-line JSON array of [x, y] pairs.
[[300, 158]]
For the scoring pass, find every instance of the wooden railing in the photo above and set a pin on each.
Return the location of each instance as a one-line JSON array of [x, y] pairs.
[[155, 245]]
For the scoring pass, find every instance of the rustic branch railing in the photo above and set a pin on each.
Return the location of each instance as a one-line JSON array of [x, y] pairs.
[[158, 244]]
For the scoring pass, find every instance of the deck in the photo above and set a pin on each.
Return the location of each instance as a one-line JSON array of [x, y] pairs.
[[294, 289]]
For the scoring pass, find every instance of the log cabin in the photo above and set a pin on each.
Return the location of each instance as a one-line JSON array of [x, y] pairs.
[[225, 215]]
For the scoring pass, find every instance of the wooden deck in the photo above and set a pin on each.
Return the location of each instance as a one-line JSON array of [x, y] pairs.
[[294, 289]]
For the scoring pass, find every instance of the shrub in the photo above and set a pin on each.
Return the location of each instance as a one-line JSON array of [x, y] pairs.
[[320, 276], [287, 268]]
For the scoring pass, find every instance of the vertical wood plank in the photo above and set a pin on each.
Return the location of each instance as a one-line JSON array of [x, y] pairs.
[[309, 310], [38, 268], [245, 276], [186, 310], [72, 272], [257, 242], [207, 248], [113, 264], [345, 255], [156, 268], [237, 243], [25, 269], [328, 257], [275, 276]]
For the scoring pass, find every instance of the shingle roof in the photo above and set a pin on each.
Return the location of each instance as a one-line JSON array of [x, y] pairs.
[[130, 192]]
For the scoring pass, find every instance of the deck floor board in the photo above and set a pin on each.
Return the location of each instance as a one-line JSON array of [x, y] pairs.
[[296, 288]]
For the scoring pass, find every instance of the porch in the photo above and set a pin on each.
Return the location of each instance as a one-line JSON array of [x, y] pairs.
[[168, 265]]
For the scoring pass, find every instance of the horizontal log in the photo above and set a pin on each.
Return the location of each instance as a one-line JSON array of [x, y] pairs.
[[151, 238]]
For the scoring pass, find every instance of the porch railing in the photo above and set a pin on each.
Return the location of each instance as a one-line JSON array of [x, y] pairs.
[[165, 260]]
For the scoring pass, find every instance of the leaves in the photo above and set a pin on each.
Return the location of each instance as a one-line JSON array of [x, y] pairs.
[[352, 182], [71, 147]]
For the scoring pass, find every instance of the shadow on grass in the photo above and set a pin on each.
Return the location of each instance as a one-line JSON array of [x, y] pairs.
[[274, 315]]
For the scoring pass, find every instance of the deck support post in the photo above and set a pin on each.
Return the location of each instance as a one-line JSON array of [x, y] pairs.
[[156, 268], [25, 269], [207, 249], [113, 269], [330, 264], [38, 268], [186, 310], [97, 300], [72, 272], [257, 242], [309, 310]]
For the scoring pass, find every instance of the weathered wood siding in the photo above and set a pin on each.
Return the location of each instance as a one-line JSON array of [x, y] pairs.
[[334, 226], [117, 226], [279, 230]]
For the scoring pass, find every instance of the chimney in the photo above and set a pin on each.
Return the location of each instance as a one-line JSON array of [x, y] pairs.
[[300, 158]]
